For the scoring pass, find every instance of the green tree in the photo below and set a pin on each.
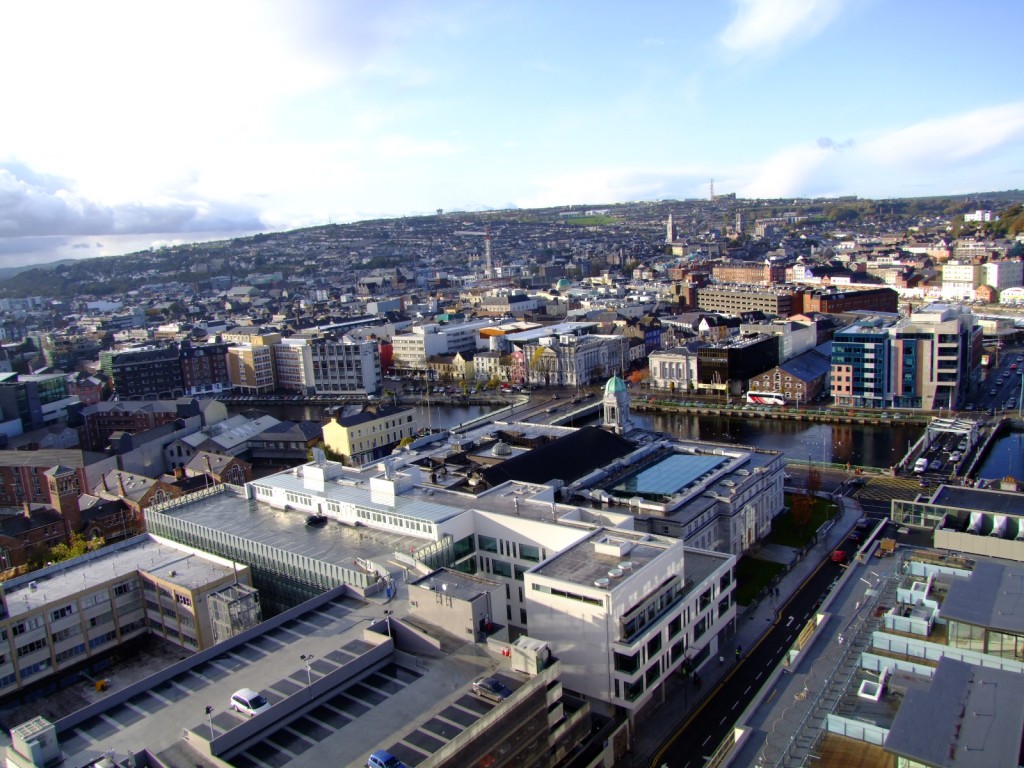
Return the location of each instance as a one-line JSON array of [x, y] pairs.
[[77, 547]]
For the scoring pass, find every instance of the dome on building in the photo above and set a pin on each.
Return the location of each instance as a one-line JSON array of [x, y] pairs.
[[614, 386], [562, 285]]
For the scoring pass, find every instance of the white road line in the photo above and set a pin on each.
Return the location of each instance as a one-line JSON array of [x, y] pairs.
[[748, 689]]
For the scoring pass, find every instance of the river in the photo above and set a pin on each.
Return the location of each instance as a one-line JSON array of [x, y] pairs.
[[860, 445], [1005, 457]]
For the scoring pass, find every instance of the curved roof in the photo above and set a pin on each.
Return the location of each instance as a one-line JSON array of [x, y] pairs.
[[614, 386]]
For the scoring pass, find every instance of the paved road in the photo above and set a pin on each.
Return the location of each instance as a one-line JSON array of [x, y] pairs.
[[705, 729]]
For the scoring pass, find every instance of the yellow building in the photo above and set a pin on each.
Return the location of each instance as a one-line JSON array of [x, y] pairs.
[[369, 435]]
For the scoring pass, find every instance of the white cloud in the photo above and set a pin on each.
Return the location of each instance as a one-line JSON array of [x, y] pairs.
[[955, 153], [956, 137], [760, 27]]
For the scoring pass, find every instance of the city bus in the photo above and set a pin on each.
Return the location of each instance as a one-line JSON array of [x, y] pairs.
[[766, 398]]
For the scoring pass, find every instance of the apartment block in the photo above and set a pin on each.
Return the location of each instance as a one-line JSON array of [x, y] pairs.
[[56, 617], [345, 366]]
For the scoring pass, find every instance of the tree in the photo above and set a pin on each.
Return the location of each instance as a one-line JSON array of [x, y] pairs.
[[813, 480], [77, 547], [802, 509]]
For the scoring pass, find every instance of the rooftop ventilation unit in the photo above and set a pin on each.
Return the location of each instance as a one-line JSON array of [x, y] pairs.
[[626, 565], [602, 583], [614, 573], [977, 520], [999, 524]]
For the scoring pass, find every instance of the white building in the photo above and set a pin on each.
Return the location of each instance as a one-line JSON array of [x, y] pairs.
[[1003, 274], [959, 280], [624, 610], [294, 361], [674, 368], [346, 367], [413, 349]]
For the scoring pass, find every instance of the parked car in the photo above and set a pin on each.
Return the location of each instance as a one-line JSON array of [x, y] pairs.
[[839, 556], [248, 702], [383, 759], [491, 688]]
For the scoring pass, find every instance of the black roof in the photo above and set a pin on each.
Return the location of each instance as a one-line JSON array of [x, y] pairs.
[[566, 458]]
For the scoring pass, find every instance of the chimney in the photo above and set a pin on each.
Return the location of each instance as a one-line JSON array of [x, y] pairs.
[[179, 473], [26, 508], [209, 467], [120, 483], [105, 483]]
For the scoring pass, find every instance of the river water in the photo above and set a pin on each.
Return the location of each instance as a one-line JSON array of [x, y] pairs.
[[860, 445]]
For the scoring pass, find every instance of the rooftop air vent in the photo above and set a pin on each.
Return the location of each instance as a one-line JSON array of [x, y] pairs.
[[602, 583], [614, 573], [626, 565]]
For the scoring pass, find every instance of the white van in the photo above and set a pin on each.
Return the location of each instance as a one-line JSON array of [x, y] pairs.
[[920, 465], [248, 702]]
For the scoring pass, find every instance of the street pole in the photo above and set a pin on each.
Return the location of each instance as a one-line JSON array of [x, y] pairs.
[[307, 658]]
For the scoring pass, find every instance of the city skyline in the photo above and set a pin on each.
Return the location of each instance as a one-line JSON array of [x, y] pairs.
[[136, 125]]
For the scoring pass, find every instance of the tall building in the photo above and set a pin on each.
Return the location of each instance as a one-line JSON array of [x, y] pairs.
[[204, 368], [251, 368], [860, 363], [147, 373], [933, 358], [925, 361], [345, 366], [294, 361]]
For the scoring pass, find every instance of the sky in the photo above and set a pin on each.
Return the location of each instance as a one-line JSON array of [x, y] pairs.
[[128, 124]]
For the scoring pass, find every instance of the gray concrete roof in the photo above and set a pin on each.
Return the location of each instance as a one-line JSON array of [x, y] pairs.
[[971, 717], [992, 596]]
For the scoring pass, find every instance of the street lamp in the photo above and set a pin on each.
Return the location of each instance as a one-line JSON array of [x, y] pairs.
[[209, 716], [387, 619], [308, 658]]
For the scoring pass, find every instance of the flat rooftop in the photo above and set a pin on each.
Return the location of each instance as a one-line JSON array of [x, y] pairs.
[[410, 705], [142, 553], [584, 563], [668, 476], [286, 529], [979, 500], [989, 597]]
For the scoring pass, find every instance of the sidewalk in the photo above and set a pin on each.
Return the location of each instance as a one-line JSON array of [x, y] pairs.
[[662, 718]]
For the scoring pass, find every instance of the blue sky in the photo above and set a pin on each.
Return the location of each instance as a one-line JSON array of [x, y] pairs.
[[130, 123]]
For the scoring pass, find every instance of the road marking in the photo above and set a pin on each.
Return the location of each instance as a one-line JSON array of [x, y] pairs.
[[790, 621], [722, 721], [735, 704], [706, 740], [748, 689], [759, 675]]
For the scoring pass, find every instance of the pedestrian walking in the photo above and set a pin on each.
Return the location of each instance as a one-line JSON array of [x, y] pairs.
[[721, 660], [739, 650]]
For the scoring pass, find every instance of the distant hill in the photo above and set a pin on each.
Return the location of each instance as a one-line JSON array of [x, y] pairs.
[[6, 273]]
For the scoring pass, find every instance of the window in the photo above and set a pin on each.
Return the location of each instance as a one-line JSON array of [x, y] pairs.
[[487, 543], [529, 552], [627, 663], [653, 646], [500, 568], [60, 613]]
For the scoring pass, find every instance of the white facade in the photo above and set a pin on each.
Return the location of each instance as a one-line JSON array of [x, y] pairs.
[[414, 348], [624, 610], [294, 361], [1003, 274], [346, 367], [674, 368], [570, 360], [959, 280]]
